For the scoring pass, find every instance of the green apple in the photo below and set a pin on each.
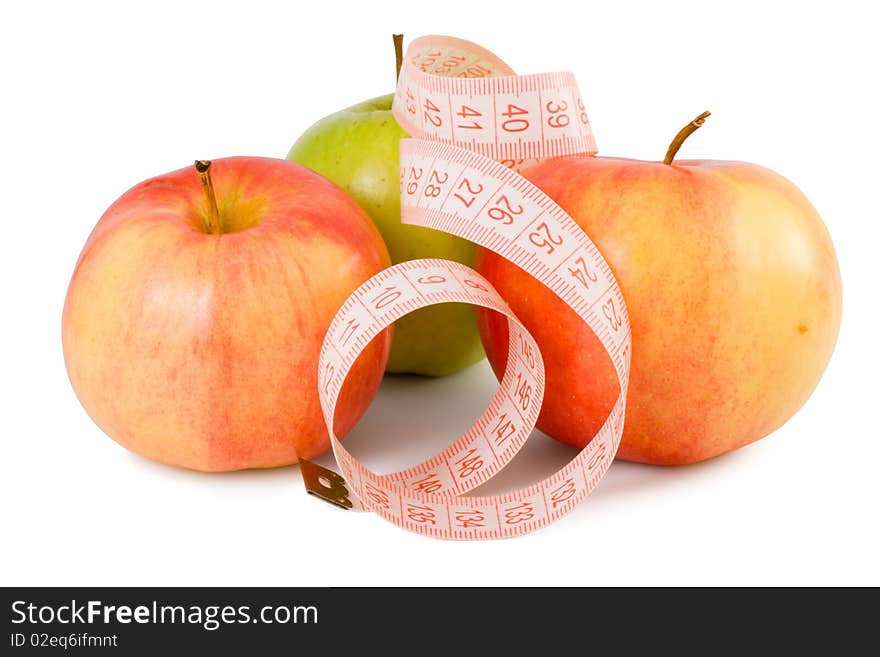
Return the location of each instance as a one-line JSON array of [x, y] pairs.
[[357, 149]]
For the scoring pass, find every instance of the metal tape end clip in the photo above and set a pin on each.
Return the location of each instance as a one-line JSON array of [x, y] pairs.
[[325, 484]]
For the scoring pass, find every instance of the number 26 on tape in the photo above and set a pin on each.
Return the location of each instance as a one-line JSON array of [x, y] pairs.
[[504, 210]]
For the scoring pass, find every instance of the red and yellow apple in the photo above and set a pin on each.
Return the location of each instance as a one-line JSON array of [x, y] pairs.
[[733, 291], [197, 309]]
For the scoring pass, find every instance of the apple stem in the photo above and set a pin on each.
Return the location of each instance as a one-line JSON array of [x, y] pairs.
[[212, 220], [683, 134], [398, 52]]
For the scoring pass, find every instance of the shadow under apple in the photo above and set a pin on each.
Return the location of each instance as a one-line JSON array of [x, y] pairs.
[[412, 418]]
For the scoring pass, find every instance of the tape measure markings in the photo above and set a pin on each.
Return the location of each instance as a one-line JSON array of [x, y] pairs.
[[407, 271], [534, 104], [468, 193]]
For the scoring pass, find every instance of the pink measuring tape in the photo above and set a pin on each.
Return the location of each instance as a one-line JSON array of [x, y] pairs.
[[475, 124]]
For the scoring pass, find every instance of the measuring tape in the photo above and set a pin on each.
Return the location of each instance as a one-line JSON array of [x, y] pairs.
[[475, 124]]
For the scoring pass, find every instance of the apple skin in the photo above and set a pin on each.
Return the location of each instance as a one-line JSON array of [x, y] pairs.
[[357, 149], [201, 350], [734, 295]]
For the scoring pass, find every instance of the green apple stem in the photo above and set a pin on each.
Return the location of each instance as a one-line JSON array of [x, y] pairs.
[[683, 134], [398, 52], [212, 220]]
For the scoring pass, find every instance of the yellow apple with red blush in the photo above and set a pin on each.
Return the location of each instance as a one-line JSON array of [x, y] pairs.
[[733, 291], [197, 309]]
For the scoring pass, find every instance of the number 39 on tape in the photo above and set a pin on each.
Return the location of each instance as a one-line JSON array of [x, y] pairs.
[[475, 124]]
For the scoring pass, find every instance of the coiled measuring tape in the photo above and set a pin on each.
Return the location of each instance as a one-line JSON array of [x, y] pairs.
[[474, 124]]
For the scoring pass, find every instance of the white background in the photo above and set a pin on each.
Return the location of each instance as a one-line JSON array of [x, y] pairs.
[[98, 96]]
